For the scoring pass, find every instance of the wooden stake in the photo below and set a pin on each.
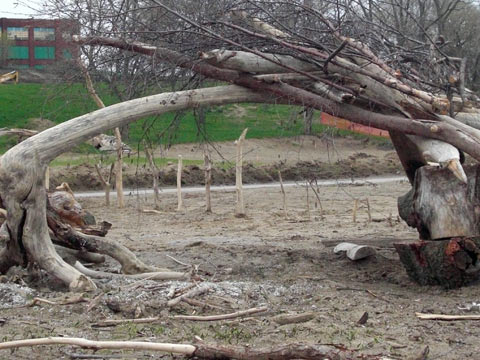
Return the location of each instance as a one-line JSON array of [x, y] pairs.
[[240, 205], [208, 182], [368, 210], [106, 183], [283, 194], [317, 195], [355, 207], [179, 183], [155, 170], [119, 170], [308, 202]]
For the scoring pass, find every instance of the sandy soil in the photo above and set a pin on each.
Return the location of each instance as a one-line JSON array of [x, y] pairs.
[[265, 259]]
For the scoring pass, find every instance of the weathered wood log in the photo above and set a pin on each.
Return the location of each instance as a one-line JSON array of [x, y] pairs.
[[450, 263], [440, 206]]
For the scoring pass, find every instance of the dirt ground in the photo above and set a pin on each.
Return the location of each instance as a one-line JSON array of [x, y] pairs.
[[298, 158], [285, 263]]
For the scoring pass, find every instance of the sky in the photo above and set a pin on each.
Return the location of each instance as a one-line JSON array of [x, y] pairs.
[[16, 9]]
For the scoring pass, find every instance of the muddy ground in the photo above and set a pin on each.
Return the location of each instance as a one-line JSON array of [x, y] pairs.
[[285, 263]]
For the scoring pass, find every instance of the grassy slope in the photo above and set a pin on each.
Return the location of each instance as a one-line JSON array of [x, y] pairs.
[[58, 103]]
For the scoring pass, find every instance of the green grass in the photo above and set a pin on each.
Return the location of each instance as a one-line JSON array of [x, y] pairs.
[[61, 102], [134, 160]]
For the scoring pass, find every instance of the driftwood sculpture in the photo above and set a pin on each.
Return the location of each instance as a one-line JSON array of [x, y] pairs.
[[333, 72]]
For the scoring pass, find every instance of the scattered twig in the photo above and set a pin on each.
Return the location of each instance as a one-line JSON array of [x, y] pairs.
[[189, 294], [446, 317], [161, 275], [285, 319], [152, 211], [194, 302], [115, 322], [222, 317], [178, 261], [74, 300]]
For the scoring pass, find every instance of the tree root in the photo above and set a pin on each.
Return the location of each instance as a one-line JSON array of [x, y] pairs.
[[71, 255], [65, 235], [158, 275]]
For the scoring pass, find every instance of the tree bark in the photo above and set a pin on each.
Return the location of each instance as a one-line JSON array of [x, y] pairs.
[[442, 207], [450, 263]]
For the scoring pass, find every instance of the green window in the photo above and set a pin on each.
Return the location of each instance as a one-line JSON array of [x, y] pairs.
[[17, 33], [18, 52], [39, 67], [44, 33], [67, 54], [44, 52]]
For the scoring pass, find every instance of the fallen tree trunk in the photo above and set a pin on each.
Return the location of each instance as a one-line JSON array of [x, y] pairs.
[[202, 350]]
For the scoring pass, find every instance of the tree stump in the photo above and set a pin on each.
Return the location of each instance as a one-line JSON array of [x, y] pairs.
[[446, 214], [442, 207], [450, 263]]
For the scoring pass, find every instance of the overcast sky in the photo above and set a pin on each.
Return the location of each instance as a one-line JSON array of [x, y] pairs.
[[15, 9]]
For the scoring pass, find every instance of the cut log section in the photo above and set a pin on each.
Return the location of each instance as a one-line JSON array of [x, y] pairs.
[[353, 251], [450, 263]]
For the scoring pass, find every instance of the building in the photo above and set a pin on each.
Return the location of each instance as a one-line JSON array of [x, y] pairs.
[[35, 43]]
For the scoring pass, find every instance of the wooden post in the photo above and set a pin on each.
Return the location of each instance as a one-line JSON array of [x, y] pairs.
[[119, 170], [317, 195], [283, 193], [240, 205], [106, 183], [355, 207], [153, 166], [308, 201], [368, 210], [208, 182], [179, 183]]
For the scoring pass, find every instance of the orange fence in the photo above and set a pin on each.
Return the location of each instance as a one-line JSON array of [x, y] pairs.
[[348, 125]]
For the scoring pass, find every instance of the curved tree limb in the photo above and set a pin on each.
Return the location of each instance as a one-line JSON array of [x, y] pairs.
[[22, 169]]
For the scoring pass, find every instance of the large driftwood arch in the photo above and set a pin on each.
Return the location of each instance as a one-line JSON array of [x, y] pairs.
[[370, 93], [22, 171]]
